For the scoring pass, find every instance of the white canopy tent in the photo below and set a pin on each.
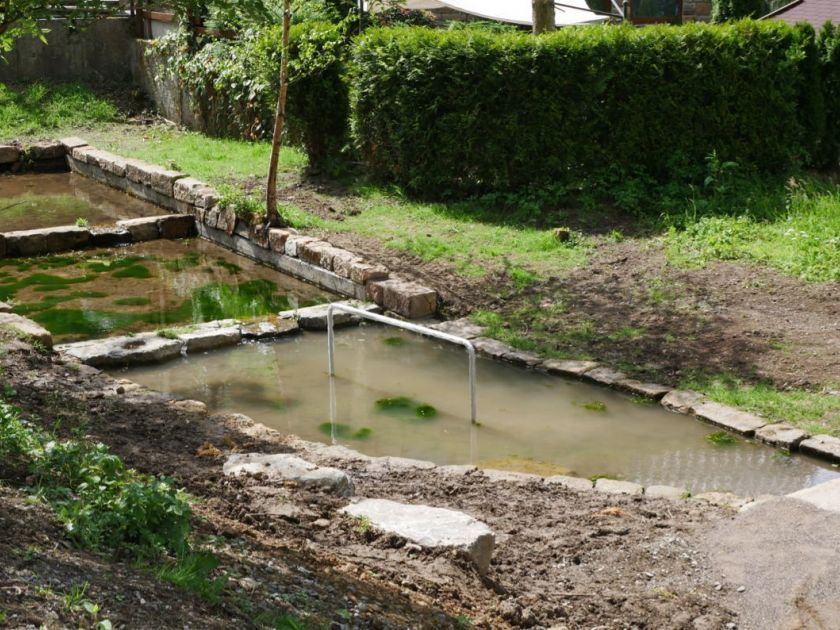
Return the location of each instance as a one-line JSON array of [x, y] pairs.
[[570, 12]]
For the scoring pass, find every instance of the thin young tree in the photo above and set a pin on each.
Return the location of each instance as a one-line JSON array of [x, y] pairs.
[[272, 217], [543, 16]]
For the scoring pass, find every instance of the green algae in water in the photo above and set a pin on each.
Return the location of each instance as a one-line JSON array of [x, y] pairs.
[[187, 261], [595, 405], [38, 280], [394, 341], [230, 267], [721, 438], [345, 431], [135, 271], [132, 301], [406, 407], [103, 266]]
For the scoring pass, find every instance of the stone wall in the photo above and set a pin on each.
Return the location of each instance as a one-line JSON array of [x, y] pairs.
[[98, 53]]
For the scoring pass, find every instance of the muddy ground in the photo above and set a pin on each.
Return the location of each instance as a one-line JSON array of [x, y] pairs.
[[563, 559]]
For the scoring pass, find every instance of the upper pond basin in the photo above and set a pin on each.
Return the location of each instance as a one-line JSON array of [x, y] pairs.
[[400, 394], [146, 286], [31, 201]]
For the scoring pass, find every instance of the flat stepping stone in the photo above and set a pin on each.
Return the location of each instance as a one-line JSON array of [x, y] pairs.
[[573, 483], [646, 390], [209, 337], [511, 476], [569, 368], [463, 328], [682, 400], [665, 492], [290, 468], [269, 329], [429, 527], [822, 446], [127, 350], [46, 240], [25, 328], [604, 376], [315, 317], [729, 418], [616, 486], [825, 496], [781, 434]]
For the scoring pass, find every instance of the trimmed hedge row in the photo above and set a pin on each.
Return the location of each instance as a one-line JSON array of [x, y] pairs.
[[457, 112]]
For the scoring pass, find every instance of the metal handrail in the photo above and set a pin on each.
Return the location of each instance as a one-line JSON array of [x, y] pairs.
[[398, 323]]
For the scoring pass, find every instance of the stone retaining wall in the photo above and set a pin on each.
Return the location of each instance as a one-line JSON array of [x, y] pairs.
[[202, 211]]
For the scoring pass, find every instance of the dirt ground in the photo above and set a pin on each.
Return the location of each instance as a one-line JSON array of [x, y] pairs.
[[563, 559]]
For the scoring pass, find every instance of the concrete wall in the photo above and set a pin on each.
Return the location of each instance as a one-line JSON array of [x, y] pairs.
[[99, 52]]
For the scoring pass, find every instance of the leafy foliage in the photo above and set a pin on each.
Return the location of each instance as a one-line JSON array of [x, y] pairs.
[[19, 18], [723, 10], [465, 111]]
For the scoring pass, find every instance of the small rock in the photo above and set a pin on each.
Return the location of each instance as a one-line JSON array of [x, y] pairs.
[[321, 523], [291, 468], [741, 589]]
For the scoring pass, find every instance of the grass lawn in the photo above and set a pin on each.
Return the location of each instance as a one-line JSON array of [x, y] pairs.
[[788, 224]]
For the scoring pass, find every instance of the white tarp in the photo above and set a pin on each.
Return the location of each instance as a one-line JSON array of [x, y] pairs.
[[512, 11]]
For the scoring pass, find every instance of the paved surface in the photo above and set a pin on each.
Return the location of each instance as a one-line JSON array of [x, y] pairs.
[[785, 553]]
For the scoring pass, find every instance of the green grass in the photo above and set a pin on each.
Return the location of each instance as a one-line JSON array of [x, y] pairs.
[[33, 110], [796, 232], [815, 412]]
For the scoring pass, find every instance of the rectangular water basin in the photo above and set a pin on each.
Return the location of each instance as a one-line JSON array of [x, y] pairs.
[[32, 201], [404, 395], [146, 286]]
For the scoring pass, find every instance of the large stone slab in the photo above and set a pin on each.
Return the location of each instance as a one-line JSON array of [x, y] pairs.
[[142, 229], [574, 483], [290, 468], [46, 150], [604, 376], [277, 240], [569, 367], [315, 317], [72, 142], [825, 496], [646, 390], [781, 434], [362, 272], [25, 328], [9, 153], [269, 328], [210, 337], [429, 527], [682, 400], [46, 240], [294, 243], [343, 261], [822, 446], [617, 486], [464, 328], [729, 417], [176, 226], [128, 350]]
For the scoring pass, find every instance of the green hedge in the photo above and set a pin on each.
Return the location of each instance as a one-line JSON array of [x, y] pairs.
[[829, 51], [463, 111]]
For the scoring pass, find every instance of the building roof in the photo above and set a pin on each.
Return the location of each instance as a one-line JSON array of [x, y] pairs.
[[817, 12]]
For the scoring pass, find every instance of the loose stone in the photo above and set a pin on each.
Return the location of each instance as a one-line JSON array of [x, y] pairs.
[[291, 468], [142, 229], [729, 417], [682, 401], [429, 527], [781, 434]]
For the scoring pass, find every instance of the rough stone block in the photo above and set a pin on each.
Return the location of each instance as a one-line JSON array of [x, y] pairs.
[[647, 390], [290, 468], [72, 142], [364, 273], [211, 217], [510, 476], [310, 251], [390, 463], [408, 299], [822, 446], [109, 237], [206, 197], [429, 527], [46, 150], [781, 434], [184, 189], [5, 308], [616, 486], [25, 328], [729, 417], [46, 240], [569, 368], [665, 492], [456, 470], [80, 153], [573, 483], [491, 347], [721, 499], [228, 220], [277, 240], [523, 359], [604, 376], [210, 337], [142, 229], [293, 244], [176, 226], [136, 171], [9, 153], [343, 261], [116, 351], [107, 162], [463, 328], [315, 317], [682, 401]]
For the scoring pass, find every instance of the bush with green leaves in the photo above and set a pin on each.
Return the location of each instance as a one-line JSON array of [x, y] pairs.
[[235, 82], [828, 155], [102, 504], [459, 112], [723, 10]]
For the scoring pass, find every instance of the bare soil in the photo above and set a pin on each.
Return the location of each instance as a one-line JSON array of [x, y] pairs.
[[563, 558]]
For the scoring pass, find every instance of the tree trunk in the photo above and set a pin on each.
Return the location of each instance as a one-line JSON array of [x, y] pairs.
[[272, 217], [543, 14]]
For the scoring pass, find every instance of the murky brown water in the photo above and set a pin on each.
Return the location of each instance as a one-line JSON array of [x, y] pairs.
[[529, 421], [146, 286], [31, 201]]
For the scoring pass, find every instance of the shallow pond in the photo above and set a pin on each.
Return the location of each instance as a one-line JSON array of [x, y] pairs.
[[150, 285], [399, 394], [31, 201]]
